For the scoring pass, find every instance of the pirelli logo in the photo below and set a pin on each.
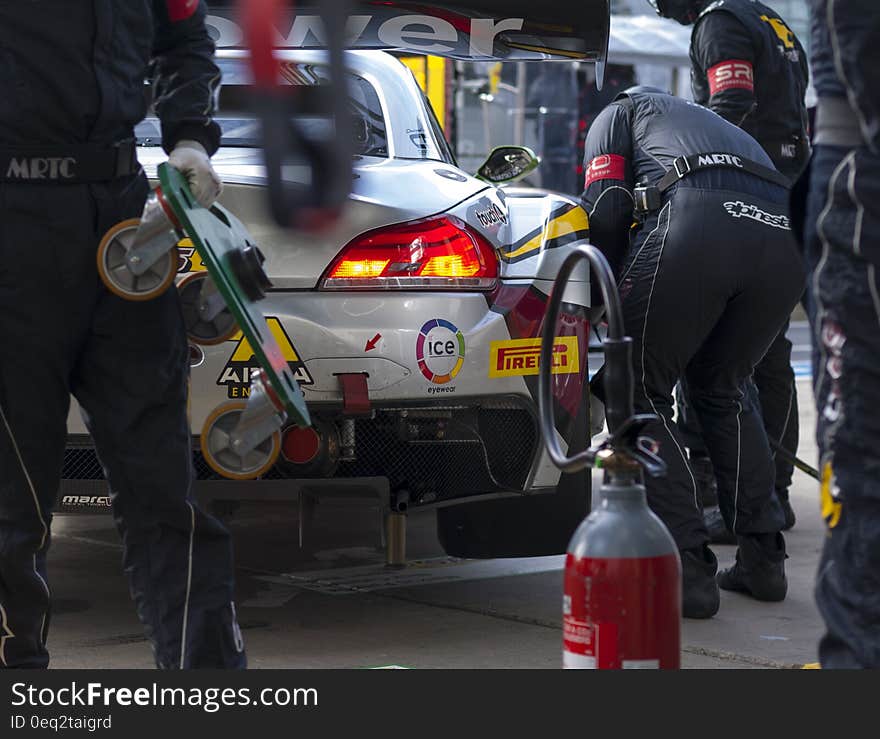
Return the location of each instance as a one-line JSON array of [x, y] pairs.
[[519, 357]]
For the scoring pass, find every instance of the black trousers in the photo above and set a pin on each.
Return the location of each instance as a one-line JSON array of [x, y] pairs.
[[127, 364], [842, 234], [774, 383], [704, 294]]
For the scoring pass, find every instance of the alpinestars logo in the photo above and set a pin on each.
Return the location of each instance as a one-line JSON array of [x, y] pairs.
[[739, 209]]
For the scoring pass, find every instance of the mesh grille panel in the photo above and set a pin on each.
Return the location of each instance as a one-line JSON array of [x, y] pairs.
[[436, 454], [81, 463], [486, 450]]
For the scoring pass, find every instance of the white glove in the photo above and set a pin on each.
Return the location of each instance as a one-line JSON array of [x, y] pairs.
[[193, 162]]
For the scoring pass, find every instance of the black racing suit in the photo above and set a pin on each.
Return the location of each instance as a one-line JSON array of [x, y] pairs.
[[842, 236], [72, 83], [706, 281], [748, 66]]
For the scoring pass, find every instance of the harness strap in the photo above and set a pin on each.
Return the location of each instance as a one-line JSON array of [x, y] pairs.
[[683, 166], [649, 198]]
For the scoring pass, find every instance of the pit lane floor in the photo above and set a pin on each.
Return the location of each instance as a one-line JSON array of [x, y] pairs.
[[335, 605]]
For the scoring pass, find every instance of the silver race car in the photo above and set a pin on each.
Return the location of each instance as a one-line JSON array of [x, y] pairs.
[[412, 325]]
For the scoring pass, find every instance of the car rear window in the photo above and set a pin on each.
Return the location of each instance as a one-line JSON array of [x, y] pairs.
[[240, 129]]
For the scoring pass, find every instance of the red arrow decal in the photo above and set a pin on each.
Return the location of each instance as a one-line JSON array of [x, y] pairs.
[[371, 344]]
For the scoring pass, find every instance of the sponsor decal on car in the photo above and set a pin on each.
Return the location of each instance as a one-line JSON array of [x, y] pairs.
[[520, 357], [89, 501], [491, 216], [567, 224], [440, 351], [236, 374], [371, 343], [419, 33], [739, 209], [189, 260]]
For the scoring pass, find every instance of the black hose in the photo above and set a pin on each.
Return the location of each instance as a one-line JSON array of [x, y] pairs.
[[618, 376], [794, 460]]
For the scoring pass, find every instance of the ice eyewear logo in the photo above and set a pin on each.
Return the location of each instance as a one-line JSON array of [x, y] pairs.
[[440, 351], [521, 357], [739, 209]]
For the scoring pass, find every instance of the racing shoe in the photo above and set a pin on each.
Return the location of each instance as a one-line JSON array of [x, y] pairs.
[[717, 528], [759, 569], [700, 596], [787, 510]]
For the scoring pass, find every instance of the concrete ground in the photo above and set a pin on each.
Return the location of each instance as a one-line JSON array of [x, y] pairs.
[[334, 605]]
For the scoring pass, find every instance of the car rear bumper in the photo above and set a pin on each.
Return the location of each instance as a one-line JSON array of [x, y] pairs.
[[431, 452]]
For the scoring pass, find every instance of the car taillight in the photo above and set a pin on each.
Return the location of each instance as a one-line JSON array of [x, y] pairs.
[[436, 253]]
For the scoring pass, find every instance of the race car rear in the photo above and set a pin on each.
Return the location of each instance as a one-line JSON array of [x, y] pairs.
[[412, 326]]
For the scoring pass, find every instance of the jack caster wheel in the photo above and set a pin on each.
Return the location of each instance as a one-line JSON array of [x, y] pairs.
[[201, 331], [217, 448], [114, 271]]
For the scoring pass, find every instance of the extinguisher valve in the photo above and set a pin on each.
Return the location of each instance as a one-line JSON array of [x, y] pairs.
[[627, 452]]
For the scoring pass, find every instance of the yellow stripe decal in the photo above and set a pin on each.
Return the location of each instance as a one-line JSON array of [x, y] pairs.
[[572, 221]]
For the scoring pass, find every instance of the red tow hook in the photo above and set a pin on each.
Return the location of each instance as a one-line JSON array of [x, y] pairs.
[[355, 394]]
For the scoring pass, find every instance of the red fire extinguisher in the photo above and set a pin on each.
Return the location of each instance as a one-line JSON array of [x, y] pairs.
[[622, 592], [622, 596]]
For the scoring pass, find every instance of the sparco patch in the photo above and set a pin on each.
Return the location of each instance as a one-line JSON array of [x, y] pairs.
[[739, 209]]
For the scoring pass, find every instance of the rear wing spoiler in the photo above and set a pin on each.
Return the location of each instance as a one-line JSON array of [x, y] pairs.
[[473, 30]]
